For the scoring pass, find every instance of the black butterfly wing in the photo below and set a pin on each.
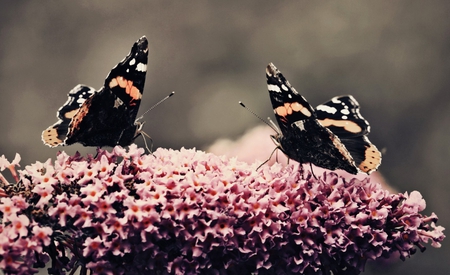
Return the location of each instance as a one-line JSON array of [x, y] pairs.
[[126, 80], [302, 137], [56, 134], [341, 115], [289, 106], [108, 117]]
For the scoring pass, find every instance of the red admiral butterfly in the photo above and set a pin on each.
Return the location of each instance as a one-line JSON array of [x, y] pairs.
[[105, 117], [333, 136]]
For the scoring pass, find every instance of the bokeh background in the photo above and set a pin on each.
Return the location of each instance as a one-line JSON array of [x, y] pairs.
[[392, 56]]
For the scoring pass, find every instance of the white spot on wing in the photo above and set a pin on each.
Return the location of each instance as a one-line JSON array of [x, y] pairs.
[[284, 87], [328, 109], [273, 88], [335, 100], [132, 62], [345, 111], [141, 67], [300, 125], [117, 103]]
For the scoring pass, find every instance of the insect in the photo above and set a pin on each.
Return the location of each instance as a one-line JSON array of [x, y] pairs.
[[332, 136], [106, 117]]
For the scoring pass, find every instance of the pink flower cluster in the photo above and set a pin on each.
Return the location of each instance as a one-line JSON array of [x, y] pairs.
[[187, 212]]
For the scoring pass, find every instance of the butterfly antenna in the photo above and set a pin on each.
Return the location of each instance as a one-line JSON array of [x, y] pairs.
[[270, 123], [159, 102]]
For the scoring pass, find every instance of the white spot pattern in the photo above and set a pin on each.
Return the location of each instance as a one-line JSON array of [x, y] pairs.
[[117, 103], [335, 100], [300, 124], [273, 88], [328, 109], [141, 67], [81, 100], [345, 111]]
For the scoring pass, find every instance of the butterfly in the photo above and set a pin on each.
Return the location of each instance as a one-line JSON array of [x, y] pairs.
[[104, 117], [332, 136]]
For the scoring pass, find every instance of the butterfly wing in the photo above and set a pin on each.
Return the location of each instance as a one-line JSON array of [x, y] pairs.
[[56, 134], [288, 105], [341, 115], [126, 80]]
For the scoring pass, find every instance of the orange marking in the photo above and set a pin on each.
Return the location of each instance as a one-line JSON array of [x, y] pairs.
[[127, 85], [50, 137], [281, 111], [135, 93], [289, 108], [122, 81], [81, 113], [113, 83], [372, 160], [70, 114], [348, 125]]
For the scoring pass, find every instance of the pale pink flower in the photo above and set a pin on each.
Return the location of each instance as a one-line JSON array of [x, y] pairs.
[[187, 211], [19, 226], [42, 234]]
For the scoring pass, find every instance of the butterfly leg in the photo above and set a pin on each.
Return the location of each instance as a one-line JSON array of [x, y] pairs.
[[267, 160], [312, 170], [144, 134], [98, 151]]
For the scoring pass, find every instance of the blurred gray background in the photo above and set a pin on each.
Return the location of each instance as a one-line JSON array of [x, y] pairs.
[[393, 56]]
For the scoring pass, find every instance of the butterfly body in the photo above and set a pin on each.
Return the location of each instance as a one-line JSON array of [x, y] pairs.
[[105, 117], [332, 136], [312, 146]]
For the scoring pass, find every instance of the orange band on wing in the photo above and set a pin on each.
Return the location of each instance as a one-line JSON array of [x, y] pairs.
[[348, 125], [289, 108], [131, 90]]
